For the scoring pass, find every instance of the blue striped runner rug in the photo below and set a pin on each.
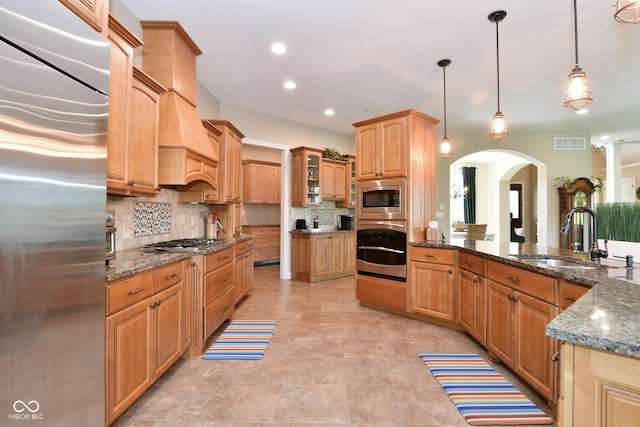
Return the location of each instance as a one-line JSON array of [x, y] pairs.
[[242, 340], [481, 394]]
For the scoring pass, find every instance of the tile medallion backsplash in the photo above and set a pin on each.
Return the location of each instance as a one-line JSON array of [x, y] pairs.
[[151, 218]]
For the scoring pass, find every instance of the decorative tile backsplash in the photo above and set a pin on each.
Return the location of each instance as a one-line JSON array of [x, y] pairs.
[[151, 218]]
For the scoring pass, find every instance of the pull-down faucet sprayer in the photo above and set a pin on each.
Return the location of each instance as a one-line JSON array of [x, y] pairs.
[[595, 253]]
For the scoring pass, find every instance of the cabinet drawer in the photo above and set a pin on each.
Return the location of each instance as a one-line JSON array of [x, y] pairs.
[[472, 263], [217, 259], [274, 232], [258, 231], [217, 312], [434, 255], [570, 292], [380, 291], [243, 247], [534, 284], [262, 241], [168, 276], [218, 282], [128, 292]]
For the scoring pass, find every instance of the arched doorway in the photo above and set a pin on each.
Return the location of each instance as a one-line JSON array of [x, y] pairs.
[[495, 171]]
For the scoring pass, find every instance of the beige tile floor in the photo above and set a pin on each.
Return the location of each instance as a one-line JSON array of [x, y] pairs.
[[330, 363]]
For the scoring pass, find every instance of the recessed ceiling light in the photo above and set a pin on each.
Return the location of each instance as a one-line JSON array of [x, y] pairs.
[[582, 111], [373, 109], [289, 85], [604, 137], [278, 48], [329, 112]]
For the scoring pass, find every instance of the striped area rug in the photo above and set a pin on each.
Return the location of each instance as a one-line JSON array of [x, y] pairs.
[[481, 394], [242, 340]]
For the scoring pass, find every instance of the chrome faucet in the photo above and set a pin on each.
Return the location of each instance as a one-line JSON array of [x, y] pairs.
[[595, 253]]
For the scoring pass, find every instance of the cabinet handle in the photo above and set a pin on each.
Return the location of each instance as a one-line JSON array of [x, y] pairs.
[[513, 298], [224, 310], [223, 258], [450, 271], [135, 291], [193, 264], [130, 183], [513, 279], [429, 256], [469, 263], [155, 304], [555, 357], [475, 280], [571, 298], [223, 282], [171, 276]]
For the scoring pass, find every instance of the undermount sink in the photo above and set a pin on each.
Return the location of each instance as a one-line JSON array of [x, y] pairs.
[[553, 261]]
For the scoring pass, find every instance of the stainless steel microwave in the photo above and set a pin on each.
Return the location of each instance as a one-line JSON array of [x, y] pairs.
[[383, 199]]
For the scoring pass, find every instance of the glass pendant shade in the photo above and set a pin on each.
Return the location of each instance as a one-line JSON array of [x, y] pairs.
[[499, 129], [578, 93], [627, 11], [445, 148]]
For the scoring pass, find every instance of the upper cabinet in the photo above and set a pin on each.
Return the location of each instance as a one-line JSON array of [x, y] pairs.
[[132, 149], [382, 147], [230, 161], [93, 12], [261, 182], [350, 185], [305, 176], [332, 179]]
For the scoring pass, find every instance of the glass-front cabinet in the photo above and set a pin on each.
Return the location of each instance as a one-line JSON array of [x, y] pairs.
[[350, 194], [576, 194], [305, 177]]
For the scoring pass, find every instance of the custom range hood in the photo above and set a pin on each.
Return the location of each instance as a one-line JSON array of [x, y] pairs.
[[187, 158]]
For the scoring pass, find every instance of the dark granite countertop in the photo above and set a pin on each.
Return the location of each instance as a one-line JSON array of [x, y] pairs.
[[607, 317], [134, 261]]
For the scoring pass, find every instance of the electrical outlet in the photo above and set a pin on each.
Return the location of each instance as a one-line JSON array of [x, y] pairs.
[[439, 214]]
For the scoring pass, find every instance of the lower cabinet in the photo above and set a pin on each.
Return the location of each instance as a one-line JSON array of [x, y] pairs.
[[322, 256], [472, 296], [244, 269], [266, 242], [431, 277], [599, 388], [218, 289], [145, 323], [518, 311]]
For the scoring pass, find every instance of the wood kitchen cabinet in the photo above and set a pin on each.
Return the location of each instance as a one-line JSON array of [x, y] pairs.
[[230, 161], [217, 297], [145, 322], [350, 185], [431, 282], [599, 388], [93, 12], [471, 295], [261, 182], [266, 242], [210, 192], [322, 256], [305, 176], [520, 304], [243, 269], [382, 148], [332, 179]]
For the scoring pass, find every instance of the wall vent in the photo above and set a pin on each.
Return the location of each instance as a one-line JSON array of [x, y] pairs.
[[570, 144]]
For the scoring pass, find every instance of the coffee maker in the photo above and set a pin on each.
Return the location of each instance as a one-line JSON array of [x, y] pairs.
[[345, 222]]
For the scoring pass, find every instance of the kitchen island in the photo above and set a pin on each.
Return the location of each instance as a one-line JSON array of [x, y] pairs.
[[598, 336], [321, 254]]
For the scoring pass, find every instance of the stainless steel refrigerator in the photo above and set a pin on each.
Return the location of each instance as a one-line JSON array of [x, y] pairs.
[[54, 81]]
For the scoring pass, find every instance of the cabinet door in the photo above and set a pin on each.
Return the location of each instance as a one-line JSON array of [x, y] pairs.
[[120, 81], [93, 12], [239, 279], [481, 310], [393, 148], [168, 318], [501, 322], [143, 138], [466, 300], [336, 254], [534, 349], [366, 154], [350, 252], [248, 271], [322, 259], [432, 286], [129, 350]]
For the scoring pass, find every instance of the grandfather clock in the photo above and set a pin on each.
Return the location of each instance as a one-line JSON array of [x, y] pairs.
[[577, 193]]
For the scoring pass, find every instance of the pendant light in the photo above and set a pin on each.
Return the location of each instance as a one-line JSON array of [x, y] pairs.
[[445, 145], [499, 129], [578, 93], [627, 11]]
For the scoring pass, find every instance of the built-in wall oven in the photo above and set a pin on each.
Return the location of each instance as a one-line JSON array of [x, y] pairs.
[[383, 199], [382, 249]]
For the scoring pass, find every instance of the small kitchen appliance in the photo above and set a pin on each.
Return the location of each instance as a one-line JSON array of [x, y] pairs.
[[345, 222], [110, 241], [301, 224]]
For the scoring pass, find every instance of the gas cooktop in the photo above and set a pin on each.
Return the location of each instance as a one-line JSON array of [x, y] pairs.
[[180, 245]]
